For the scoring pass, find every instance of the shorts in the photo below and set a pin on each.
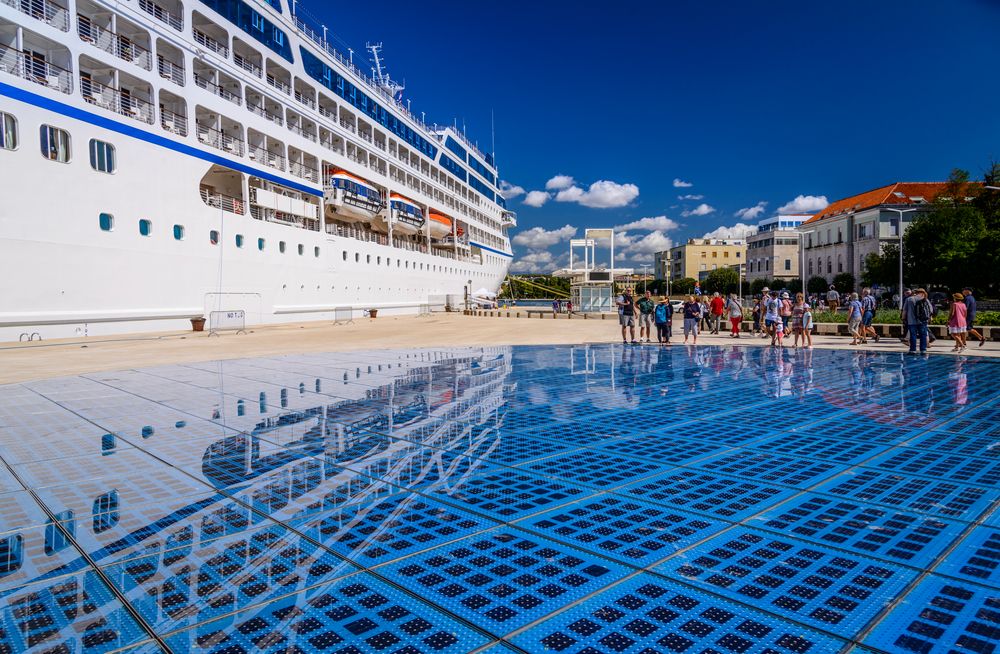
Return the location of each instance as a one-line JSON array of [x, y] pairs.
[[646, 320], [867, 318], [626, 321], [770, 322], [690, 326], [853, 324]]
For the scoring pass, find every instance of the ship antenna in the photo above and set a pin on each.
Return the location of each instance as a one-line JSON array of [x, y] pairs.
[[394, 89]]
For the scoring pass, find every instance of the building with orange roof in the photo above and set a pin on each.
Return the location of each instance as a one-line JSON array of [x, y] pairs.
[[839, 238]]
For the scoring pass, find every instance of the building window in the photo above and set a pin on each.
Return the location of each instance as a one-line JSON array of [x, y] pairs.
[[829, 265], [767, 264], [213, 237], [102, 156], [239, 240], [107, 222], [840, 263], [8, 131], [788, 264], [281, 247], [178, 232], [55, 143], [810, 266], [260, 244], [145, 227]]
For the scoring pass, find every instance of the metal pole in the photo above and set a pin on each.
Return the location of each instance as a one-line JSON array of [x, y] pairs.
[[900, 227]]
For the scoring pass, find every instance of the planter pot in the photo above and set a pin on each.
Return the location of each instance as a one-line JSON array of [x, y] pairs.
[[373, 313], [197, 324]]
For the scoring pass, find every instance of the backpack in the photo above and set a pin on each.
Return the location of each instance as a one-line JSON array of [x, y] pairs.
[[923, 310], [661, 313]]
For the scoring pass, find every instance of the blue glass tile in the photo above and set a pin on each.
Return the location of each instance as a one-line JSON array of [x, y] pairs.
[[504, 579], [771, 468], [883, 429], [832, 590], [509, 494], [976, 558], [911, 494], [972, 444], [862, 528], [629, 531], [656, 448], [946, 467], [19, 510], [594, 468], [708, 494], [941, 615], [354, 614], [649, 614], [38, 554], [818, 447]]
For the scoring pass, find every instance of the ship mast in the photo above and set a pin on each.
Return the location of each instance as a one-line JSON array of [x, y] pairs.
[[381, 76]]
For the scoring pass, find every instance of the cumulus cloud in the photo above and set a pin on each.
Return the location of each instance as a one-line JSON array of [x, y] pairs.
[[539, 238], [804, 204], [655, 223], [737, 231], [641, 248], [510, 191], [534, 262], [559, 182], [701, 210], [602, 194], [752, 213], [679, 183], [535, 198], [690, 196]]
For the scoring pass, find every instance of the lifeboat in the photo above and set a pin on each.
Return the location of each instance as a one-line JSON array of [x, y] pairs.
[[351, 198], [406, 216], [440, 226]]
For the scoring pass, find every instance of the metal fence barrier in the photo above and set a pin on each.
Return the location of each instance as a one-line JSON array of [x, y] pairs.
[[343, 316], [235, 320]]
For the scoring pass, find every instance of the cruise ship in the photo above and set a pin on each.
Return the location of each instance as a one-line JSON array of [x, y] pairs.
[[164, 160]]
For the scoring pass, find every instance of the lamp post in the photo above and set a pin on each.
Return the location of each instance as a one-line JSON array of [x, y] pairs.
[[644, 267], [900, 290]]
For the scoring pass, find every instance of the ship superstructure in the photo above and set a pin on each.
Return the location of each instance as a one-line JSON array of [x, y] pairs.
[[167, 159]]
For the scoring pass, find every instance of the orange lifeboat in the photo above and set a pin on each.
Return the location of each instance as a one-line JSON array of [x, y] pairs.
[[440, 226], [352, 198]]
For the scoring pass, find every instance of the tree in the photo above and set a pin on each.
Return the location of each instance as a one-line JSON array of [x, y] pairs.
[[759, 285], [882, 269], [683, 286], [941, 247], [817, 285], [795, 286], [844, 282], [722, 280]]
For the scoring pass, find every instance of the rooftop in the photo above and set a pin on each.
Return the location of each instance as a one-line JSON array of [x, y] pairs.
[[892, 194]]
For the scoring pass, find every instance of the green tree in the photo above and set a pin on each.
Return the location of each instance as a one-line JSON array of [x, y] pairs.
[[759, 285], [882, 269], [942, 247], [682, 286], [722, 280], [795, 286], [844, 282], [817, 285]]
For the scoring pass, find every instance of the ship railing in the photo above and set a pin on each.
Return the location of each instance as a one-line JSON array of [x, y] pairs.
[[173, 122], [170, 70], [267, 214], [220, 140], [33, 69], [380, 145], [356, 159], [222, 201], [278, 84], [112, 99], [247, 65], [161, 14], [298, 129], [44, 10], [304, 171], [366, 136], [323, 111], [305, 99], [220, 91], [210, 43], [113, 43], [346, 125], [261, 111], [270, 159]]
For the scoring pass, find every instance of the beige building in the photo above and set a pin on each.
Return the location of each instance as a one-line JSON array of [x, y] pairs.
[[773, 252], [698, 257]]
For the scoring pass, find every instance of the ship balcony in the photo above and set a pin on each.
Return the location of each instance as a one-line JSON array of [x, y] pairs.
[[48, 12], [220, 140], [221, 201], [302, 126], [264, 106], [266, 151], [305, 94], [303, 165], [278, 78], [129, 99], [327, 108], [247, 58], [171, 12], [210, 44], [173, 122], [170, 70], [218, 83], [331, 141], [35, 67], [128, 44], [209, 35]]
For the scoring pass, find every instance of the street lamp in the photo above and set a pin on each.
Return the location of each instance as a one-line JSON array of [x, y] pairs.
[[900, 291], [644, 267]]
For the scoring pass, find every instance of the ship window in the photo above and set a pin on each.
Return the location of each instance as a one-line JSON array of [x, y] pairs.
[[378, 261], [357, 257], [107, 222], [179, 232], [345, 255], [281, 247], [302, 249], [260, 244], [55, 143], [368, 258], [316, 251], [145, 227], [213, 237], [239, 240], [102, 156], [8, 131]]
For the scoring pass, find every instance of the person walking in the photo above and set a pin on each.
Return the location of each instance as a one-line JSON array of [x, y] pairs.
[[692, 316], [957, 325], [555, 307], [917, 312], [785, 312], [756, 310], [970, 315], [646, 307], [662, 316], [717, 307], [832, 299], [868, 305], [807, 326], [798, 310], [735, 312], [626, 314], [772, 315], [854, 320]]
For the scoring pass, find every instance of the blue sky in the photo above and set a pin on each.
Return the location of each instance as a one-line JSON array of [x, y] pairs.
[[757, 106]]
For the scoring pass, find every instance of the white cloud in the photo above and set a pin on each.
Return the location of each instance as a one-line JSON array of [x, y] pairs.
[[661, 223], [510, 191], [640, 249], [752, 213], [804, 204], [679, 183], [701, 210], [602, 194], [690, 196], [737, 231], [536, 198], [534, 262], [559, 182], [539, 238]]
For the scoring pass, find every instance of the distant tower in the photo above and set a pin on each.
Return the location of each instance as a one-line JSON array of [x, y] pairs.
[[382, 78]]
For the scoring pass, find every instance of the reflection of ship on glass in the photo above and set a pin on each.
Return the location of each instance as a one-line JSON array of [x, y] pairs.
[[293, 484]]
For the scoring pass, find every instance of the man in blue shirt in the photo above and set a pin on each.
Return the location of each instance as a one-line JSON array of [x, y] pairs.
[[970, 315]]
